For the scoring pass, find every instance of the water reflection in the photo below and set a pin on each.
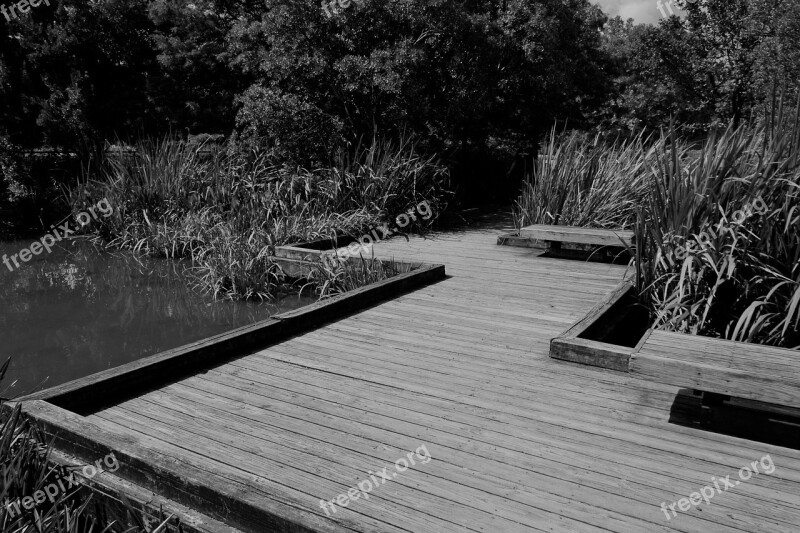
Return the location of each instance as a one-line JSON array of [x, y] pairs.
[[79, 310]]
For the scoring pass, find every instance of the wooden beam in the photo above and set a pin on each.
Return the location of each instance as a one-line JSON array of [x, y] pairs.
[[781, 390], [235, 500], [91, 393], [520, 242], [596, 312], [593, 236], [358, 299], [592, 353], [112, 385]]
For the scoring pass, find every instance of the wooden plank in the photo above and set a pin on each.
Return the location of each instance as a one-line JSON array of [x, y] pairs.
[[742, 370], [233, 499], [527, 422], [593, 236], [753, 362], [262, 460], [594, 422], [116, 384], [701, 349], [597, 311], [331, 469], [731, 382], [371, 418], [592, 353], [110, 490], [521, 242], [283, 430], [342, 305]]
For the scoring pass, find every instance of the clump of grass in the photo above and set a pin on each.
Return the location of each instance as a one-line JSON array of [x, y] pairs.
[[740, 278], [337, 276], [701, 269], [584, 181], [225, 213]]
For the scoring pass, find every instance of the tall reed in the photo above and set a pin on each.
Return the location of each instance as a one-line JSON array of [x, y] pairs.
[[225, 214], [584, 181], [708, 261], [704, 270], [338, 276]]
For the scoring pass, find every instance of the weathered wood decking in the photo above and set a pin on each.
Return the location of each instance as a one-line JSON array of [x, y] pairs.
[[577, 235], [721, 367], [519, 441]]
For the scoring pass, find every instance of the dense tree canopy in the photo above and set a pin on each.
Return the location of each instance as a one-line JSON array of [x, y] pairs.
[[718, 64], [460, 72], [478, 81]]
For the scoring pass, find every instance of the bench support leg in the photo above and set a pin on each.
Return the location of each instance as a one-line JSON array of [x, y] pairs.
[[710, 400]]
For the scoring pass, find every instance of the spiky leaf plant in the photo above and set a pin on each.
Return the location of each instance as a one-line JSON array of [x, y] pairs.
[[719, 248]]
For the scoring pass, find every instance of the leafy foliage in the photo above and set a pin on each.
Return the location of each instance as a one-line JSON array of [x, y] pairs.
[[226, 213], [718, 232], [586, 181], [471, 80], [716, 65]]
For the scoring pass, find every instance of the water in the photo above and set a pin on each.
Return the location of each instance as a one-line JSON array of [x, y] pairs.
[[79, 310]]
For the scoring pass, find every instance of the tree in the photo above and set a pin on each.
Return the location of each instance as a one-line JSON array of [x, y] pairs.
[[716, 65], [468, 77], [195, 86], [79, 72]]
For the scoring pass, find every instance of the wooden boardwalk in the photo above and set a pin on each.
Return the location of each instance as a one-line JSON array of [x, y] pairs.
[[518, 441]]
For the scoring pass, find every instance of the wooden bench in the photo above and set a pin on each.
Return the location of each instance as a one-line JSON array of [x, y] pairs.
[[721, 369], [555, 235]]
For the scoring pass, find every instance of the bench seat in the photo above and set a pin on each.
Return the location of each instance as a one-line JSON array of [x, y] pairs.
[[575, 235], [727, 368]]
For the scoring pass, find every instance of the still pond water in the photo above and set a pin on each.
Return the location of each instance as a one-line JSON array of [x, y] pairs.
[[80, 310]]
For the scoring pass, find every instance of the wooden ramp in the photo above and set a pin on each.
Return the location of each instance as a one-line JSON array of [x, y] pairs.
[[517, 441]]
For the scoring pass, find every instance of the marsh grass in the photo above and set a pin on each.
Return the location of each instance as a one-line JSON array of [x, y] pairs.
[[586, 181], [701, 268], [225, 214], [338, 276], [740, 277]]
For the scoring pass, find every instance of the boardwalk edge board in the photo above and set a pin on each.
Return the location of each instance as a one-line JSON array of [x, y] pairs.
[[251, 510], [687, 367], [90, 393], [570, 347], [592, 353], [121, 494], [299, 262]]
